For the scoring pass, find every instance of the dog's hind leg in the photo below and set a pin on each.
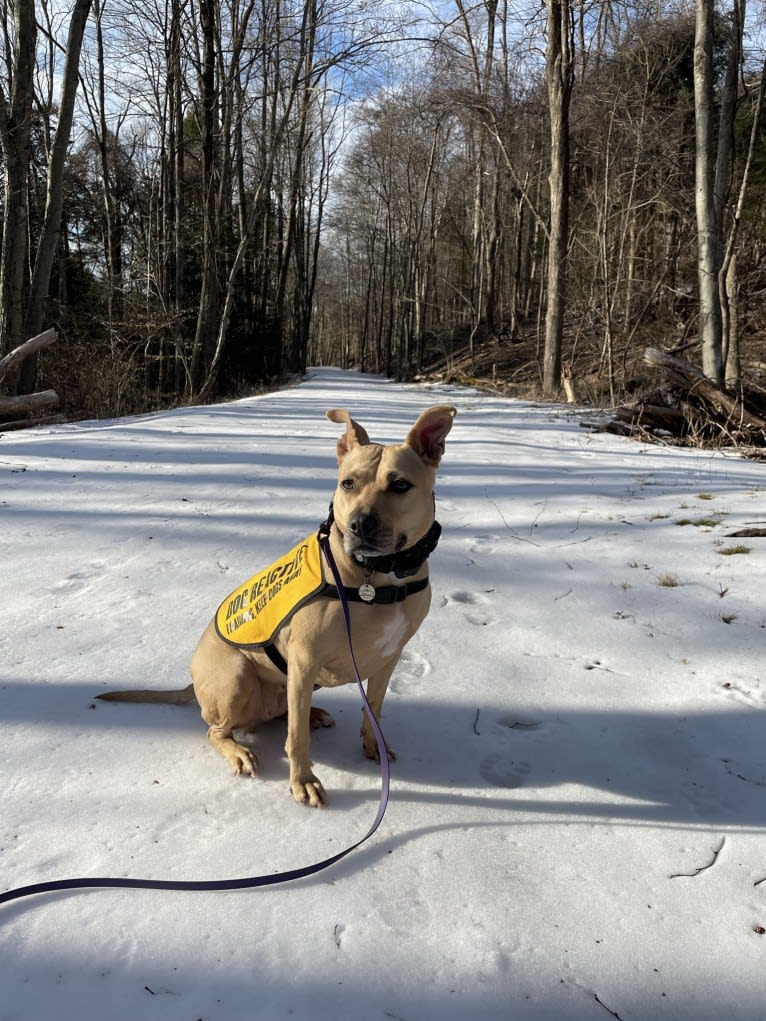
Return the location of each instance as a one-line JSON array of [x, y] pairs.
[[232, 695], [241, 759], [320, 718]]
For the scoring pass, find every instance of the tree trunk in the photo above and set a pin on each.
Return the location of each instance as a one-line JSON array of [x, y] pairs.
[[559, 66], [728, 281], [48, 244], [708, 227], [207, 317], [15, 125]]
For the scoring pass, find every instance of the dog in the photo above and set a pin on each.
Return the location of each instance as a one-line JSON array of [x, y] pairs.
[[282, 634]]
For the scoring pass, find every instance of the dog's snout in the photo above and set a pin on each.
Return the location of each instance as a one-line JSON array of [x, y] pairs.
[[364, 526]]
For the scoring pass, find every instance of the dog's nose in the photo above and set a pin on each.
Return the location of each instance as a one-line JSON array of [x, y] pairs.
[[364, 526]]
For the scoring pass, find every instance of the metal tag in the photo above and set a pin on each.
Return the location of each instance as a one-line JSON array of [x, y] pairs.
[[367, 592]]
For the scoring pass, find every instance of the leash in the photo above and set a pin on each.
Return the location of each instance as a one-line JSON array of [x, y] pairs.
[[84, 883]]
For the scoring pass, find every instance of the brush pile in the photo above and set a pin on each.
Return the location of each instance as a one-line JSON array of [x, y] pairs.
[[690, 408]]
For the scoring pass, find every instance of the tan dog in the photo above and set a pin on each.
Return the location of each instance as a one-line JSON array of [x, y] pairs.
[[381, 531]]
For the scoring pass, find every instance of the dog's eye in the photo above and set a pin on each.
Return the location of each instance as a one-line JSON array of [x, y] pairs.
[[401, 486], [347, 485]]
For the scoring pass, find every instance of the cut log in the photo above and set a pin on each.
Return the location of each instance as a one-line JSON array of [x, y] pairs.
[[29, 347], [26, 403]]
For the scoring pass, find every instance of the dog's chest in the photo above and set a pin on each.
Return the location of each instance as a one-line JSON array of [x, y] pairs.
[[392, 634], [379, 634]]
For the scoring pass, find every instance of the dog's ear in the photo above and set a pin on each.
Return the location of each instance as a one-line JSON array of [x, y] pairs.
[[354, 434], [427, 435]]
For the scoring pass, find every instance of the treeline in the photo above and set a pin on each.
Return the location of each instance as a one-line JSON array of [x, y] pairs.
[[444, 224], [205, 195]]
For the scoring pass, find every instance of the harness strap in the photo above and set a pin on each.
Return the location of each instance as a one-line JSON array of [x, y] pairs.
[[276, 658], [84, 883]]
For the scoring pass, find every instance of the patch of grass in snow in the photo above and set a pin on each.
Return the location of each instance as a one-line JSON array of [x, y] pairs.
[[710, 522], [668, 580], [733, 551]]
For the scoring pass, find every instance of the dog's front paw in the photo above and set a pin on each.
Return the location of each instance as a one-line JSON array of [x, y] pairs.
[[308, 791]]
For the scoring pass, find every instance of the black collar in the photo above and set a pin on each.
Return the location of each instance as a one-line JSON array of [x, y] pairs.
[[403, 564]]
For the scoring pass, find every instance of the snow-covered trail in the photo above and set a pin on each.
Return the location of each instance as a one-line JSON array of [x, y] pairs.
[[579, 728]]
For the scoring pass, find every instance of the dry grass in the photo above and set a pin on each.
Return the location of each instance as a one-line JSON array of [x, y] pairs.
[[668, 580], [733, 551]]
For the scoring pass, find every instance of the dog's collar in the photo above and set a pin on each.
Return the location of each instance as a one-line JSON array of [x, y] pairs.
[[385, 596], [403, 564]]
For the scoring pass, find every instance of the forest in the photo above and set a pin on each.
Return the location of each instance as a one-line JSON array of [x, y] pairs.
[[203, 197]]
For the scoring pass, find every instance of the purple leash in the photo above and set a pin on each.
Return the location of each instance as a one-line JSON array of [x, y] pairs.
[[248, 883]]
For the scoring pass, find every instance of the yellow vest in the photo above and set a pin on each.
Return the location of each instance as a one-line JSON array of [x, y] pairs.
[[253, 613]]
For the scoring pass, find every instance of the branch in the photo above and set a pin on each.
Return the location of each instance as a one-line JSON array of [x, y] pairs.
[[609, 1010], [701, 868]]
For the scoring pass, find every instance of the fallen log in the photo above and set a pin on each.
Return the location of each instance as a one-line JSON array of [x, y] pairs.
[[29, 347], [724, 409], [27, 423], [608, 425], [652, 416], [27, 403]]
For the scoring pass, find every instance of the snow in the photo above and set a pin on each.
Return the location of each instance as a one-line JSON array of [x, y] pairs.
[[578, 806]]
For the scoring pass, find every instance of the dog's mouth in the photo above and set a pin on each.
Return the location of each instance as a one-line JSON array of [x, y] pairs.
[[365, 548], [382, 543]]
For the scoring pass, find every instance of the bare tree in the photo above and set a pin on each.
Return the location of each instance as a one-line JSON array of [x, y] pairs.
[[728, 275], [559, 66], [54, 194], [712, 173], [15, 127]]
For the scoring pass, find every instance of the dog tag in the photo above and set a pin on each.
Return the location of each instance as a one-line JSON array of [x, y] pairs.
[[367, 592]]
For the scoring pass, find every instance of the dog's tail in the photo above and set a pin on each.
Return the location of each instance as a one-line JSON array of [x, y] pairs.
[[165, 697]]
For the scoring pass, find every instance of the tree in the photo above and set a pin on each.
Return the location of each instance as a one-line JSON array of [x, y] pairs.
[[15, 128], [54, 195], [708, 237], [559, 67], [713, 154]]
